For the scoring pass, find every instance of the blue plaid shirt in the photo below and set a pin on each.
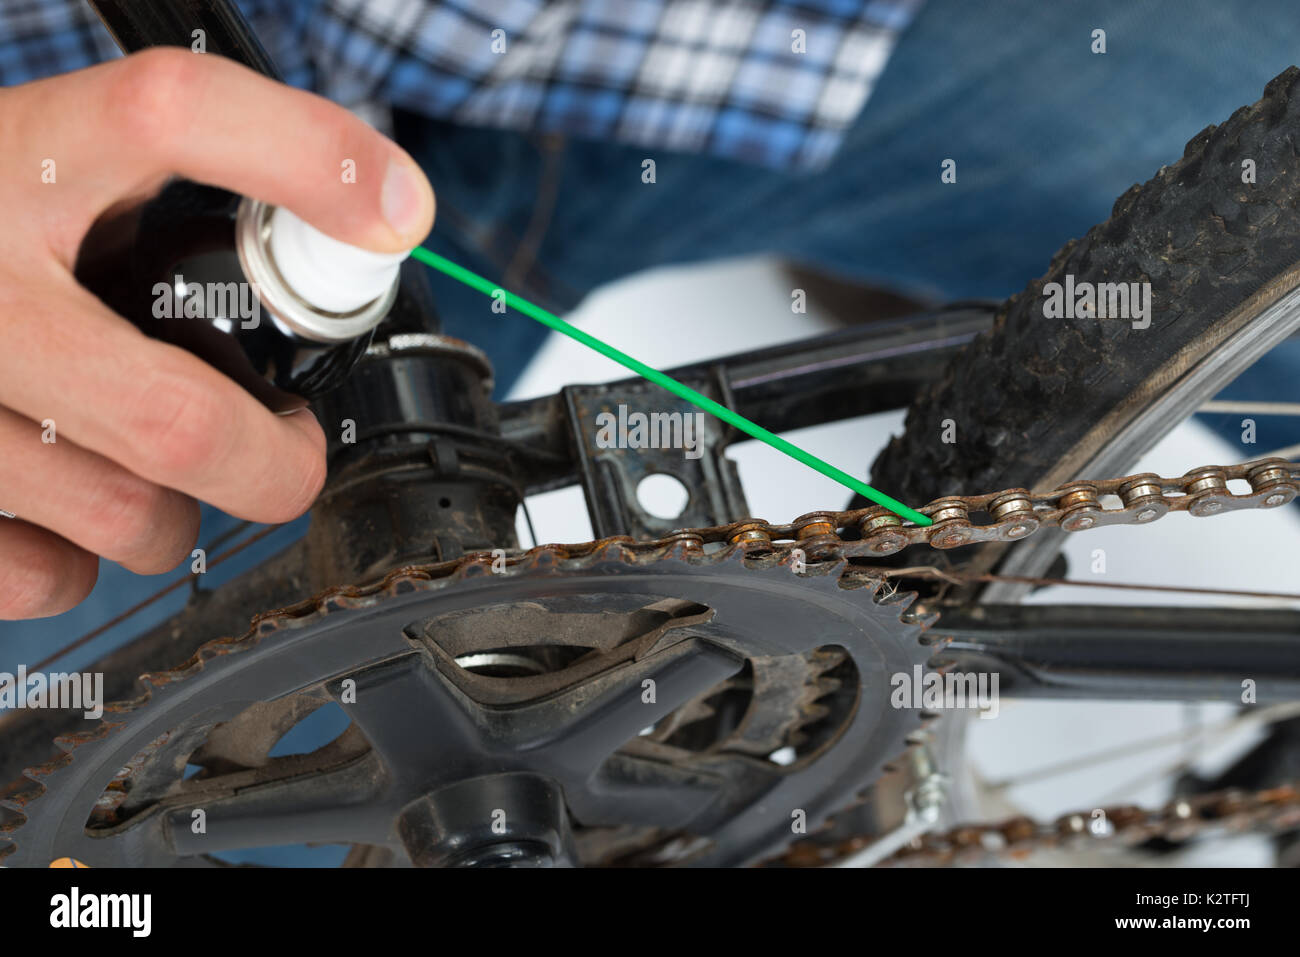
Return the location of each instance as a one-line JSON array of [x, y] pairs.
[[775, 82]]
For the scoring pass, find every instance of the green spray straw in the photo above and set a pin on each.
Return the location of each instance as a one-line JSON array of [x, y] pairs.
[[475, 281]]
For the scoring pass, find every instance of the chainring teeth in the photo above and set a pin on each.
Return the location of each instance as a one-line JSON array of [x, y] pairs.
[[835, 573]]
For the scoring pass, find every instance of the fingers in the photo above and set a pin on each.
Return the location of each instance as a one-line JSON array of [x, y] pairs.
[[137, 427], [41, 574], [131, 123], [154, 409], [93, 502]]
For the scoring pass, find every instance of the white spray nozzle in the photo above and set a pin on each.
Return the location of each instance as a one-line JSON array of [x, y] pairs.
[[330, 275]]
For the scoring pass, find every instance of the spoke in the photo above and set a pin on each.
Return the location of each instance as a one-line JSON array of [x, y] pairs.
[[1266, 715], [1250, 408], [1207, 736], [340, 806], [146, 602], [581, 727], [958, 578]]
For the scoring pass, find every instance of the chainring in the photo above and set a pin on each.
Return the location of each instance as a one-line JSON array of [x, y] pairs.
[[651, 683]]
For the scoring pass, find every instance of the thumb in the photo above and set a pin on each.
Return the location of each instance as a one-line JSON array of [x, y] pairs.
[[122, 128]]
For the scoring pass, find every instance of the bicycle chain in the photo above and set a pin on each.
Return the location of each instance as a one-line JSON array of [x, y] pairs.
[[1015, 514], [1012, 515], [1230, 809]]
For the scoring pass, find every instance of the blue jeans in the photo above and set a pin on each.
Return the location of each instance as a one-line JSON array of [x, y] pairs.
[[1045, 135]]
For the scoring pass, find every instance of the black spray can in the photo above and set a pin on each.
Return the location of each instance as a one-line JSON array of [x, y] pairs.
[[251, 289]]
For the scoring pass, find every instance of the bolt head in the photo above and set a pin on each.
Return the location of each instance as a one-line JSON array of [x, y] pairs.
[[1147, 515]]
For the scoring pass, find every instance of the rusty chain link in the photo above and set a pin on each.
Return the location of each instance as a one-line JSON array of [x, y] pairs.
[[1011, 515], [1231, 810]]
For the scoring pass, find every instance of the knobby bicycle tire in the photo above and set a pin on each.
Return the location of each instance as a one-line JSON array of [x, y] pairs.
[[1034, 397]]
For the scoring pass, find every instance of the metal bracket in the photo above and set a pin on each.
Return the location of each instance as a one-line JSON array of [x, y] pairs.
[[610, 475]]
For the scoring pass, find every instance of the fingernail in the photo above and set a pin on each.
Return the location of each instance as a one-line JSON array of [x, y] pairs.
[[401, 198]]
